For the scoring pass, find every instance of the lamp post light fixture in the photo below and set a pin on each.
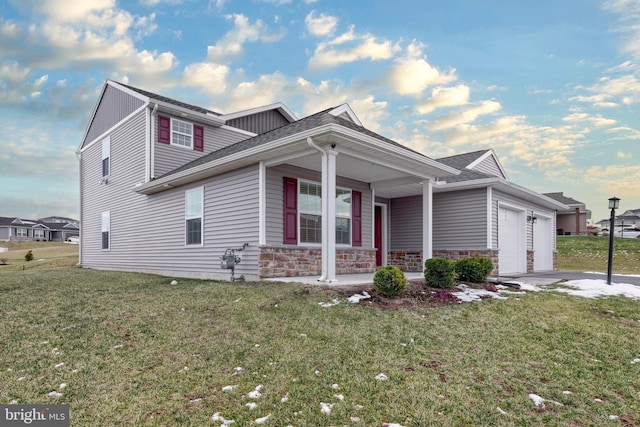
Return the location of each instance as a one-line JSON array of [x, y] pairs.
[[613, 205]]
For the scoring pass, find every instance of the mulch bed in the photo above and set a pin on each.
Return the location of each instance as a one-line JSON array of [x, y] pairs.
[[416, 295]]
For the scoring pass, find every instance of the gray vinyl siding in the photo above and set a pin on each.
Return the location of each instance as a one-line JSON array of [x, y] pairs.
[[274, 201], [114, 106], [500, 197], [148, 232], [406, 223], [4, 233], [260, 122], [460, 220], [489, 166], [169, 157]]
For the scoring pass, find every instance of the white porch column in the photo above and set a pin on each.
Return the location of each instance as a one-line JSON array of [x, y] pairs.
[[427, 220], [262, 209], [329, 220]]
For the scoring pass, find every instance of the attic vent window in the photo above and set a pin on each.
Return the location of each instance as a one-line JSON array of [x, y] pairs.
[[181, 133]]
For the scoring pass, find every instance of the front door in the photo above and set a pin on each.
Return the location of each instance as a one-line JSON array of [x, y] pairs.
[[378, 235]]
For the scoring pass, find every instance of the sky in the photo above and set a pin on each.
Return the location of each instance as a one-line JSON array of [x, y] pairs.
[[553, 87]]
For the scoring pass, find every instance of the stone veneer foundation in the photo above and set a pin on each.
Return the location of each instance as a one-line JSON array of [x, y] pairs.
[[306, 261]]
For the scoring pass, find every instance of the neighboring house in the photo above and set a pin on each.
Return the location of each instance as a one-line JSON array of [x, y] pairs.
[[168, 187], [13, 228], [481, 212], [628, 218], [572, 221]]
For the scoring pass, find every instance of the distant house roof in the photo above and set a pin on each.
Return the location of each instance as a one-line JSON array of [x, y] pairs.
[[31, 223], [564, 199]]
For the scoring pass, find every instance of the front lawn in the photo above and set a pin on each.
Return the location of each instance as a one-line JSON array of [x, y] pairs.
[[132, 349], [590, 253]]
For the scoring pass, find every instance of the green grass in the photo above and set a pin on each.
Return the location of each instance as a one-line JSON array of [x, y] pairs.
[[46, 255], [590, 253], [125, 340]]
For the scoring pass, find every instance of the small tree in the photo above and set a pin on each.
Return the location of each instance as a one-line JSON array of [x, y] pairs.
[[28, 256], [439, 272], [389, 281]]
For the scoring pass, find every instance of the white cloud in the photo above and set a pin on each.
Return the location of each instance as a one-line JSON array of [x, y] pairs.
[[412, 74], [445, 97], [370, 112], [210, 78], [321, 26], [230, 45], [465, 116], [350, 47], [597, 120]]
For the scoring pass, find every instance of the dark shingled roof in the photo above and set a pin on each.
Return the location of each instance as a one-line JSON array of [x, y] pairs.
[[563, 199], [461, 161], [310, 122], [169, 100]]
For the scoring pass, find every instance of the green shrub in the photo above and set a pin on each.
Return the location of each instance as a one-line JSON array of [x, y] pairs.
[[439, 272], [474, 269], [28, 256], [389, 281]]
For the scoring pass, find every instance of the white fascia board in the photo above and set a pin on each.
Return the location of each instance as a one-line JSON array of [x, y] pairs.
[[489, 153], [238, 130], [396, 150], [345, 108], [503, 185], [288, 114]]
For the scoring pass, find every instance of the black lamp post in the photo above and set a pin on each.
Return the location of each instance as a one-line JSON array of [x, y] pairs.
[[613, 205]]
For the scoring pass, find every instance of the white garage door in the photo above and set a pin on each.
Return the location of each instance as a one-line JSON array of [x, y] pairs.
[[512, 255], [542, 245]]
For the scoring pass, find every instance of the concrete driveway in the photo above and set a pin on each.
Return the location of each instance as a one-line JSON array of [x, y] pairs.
[[555, 276]]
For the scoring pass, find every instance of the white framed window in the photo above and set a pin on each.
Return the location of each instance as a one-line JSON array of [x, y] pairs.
[[181, 133], [22, 232], [106, 230], [106, 157], [310, 212], [38, 234], [193, 216]]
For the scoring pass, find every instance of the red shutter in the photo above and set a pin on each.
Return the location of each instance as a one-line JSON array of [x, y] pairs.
[[198, 138], [356, 218], [290, 211], [164, 129]]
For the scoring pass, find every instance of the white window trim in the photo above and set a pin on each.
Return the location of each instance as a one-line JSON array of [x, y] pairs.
[[107, 215], [171, 132], [188, 217], [36, 233], [20, 231], [106, 154], [300, 212]]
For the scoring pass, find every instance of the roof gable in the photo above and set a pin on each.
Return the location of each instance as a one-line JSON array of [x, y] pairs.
[[483, 161]]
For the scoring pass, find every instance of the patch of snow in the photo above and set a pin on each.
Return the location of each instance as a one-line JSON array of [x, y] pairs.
[[59, 365], [567, 392], [598, 400], [63, 386], [329, 304], [186, 368], [263, 419], [500, 410], [613, 417], [255, 394], [118, 346], [55, 394], [539, 401], [251, 405], [634, 361], [339, 396], [590, 288], [355, 419], [9, 370], [229, 387], [217, 417], [317, 372], [326, 408], [303, 335], [468, 294], [382, 377], [391, 425], [354, 299], [285, 398], [174, 282], [335, 386], [199, 399], [21, 379], [13, 402]]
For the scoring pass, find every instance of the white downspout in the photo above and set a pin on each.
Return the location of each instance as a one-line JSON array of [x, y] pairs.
[[325, 243], [152, 145]]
